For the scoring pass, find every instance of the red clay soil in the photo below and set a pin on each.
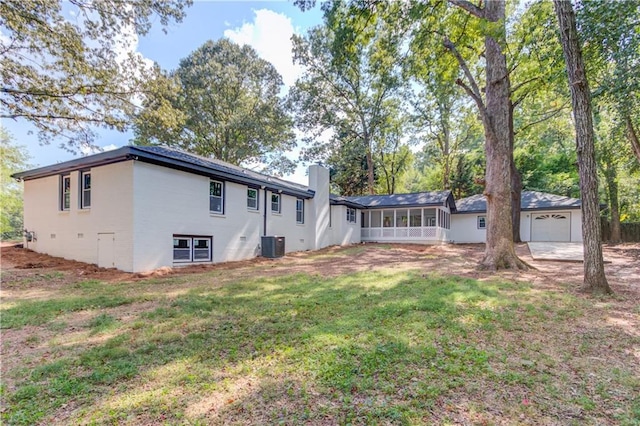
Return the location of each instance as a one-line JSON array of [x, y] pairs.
[[623, 271], [14, 258]]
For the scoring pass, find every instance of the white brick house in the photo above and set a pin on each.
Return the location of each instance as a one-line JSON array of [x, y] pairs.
[[139, 208]]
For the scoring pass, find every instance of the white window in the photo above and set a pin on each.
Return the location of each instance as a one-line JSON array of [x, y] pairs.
[[252, 199], [216, 197], [275, 203], [351, 215], [482, 222], [191, 249], [85, 190], [65, 192], [299, 210]]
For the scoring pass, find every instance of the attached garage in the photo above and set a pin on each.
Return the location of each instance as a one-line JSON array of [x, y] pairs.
[[551, 226], [543, 217]]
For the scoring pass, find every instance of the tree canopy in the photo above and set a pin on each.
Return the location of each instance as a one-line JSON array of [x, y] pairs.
[[222, 102], [69, 67], [350, 87]]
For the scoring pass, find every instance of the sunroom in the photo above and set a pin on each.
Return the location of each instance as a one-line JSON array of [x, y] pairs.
[[422, 218], [402, 225]]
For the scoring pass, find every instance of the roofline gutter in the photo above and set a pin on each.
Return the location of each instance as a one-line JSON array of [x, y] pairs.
[[131, 153], [227, 176], [103, 158]]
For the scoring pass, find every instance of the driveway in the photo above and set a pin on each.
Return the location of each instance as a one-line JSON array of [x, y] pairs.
[[568, 252]]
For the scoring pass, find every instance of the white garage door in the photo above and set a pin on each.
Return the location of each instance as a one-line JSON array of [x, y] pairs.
[[551, 227]]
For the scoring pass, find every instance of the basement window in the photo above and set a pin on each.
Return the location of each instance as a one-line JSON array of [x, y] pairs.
[[187, 249]]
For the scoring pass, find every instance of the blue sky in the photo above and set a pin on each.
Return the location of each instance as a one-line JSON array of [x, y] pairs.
[[266, 26]]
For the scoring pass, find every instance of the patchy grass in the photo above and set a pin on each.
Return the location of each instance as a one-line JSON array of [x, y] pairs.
[[377, 347]]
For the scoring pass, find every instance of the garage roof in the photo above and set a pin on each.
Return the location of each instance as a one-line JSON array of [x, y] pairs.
[[531, 200]]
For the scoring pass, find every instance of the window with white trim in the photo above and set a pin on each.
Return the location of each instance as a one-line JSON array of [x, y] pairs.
[[275, 203], [252, 199], [351, 215], [216, 197], [482, 222], [85, 190], [188, 249], [299, 210], [65, 192]]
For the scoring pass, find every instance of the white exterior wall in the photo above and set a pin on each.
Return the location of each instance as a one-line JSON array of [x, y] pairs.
[[170, 202], [576, 225], [341, 231], [73, 234], [464, 227], [297, 236]]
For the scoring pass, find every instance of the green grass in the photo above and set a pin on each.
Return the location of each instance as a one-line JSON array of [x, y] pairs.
[[41, 312], [367, 348]]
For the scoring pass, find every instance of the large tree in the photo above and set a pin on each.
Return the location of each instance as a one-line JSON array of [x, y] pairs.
[[222, 102], [594, 276], [68, 67], [496, 113], [350, 82]]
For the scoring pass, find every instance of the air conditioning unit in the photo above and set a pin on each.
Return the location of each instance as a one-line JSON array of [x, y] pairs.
[[272, 246]]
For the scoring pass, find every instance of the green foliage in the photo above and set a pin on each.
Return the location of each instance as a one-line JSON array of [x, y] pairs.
[[611, 36], [13, 158], [222, 102], [66, 75], [349, 90]]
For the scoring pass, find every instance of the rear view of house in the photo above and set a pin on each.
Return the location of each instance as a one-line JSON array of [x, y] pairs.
[[139, 208]]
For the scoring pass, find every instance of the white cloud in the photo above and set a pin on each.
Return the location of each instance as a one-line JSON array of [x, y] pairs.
[[270, 35]]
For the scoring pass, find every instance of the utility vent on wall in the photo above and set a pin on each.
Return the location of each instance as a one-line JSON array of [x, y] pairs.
[[243, 239], [53, 236], [80, 235]]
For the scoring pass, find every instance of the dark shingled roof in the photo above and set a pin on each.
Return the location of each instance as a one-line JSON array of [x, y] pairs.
[[176, 159], [220, 166], [418, 199], [531, 200], [343, 201]]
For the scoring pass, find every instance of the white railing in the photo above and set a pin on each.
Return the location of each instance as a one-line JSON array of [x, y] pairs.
[[411, 233]]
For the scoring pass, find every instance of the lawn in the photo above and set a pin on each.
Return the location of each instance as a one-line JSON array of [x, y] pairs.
[[284, 343]]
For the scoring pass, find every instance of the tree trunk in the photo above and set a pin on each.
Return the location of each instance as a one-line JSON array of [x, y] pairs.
[[633, 137], [500, 252], [370, 176], [594, 277], [516, 183], [611, 178]]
